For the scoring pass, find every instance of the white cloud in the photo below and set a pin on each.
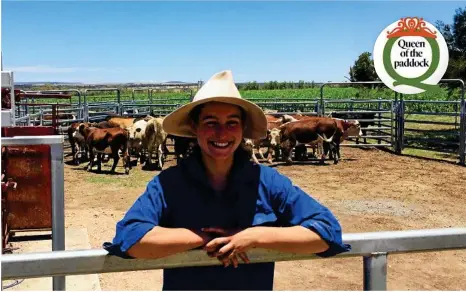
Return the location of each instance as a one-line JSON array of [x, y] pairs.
[[51, 69]]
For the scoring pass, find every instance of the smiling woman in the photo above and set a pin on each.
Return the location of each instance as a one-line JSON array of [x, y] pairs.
[[218, 200]]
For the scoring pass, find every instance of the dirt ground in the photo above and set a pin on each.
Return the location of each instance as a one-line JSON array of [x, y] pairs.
[[369, 190]]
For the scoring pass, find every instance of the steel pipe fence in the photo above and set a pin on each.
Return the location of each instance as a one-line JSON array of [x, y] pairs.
[[441, 139], [374, 247], [391, 117], [376, 116]]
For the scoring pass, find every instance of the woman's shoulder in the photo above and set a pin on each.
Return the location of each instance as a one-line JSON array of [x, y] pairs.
[[270, 176]]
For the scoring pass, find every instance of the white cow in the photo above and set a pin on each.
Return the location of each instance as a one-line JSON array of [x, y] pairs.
[[155, 138], [136, 138]]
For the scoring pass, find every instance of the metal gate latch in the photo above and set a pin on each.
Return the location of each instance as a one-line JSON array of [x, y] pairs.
[[9, 184]]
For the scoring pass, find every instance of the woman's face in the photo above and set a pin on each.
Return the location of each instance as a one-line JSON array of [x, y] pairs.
[[219, 130]]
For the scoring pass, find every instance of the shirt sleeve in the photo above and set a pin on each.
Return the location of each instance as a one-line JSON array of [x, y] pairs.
[[295, 207], [146, 213]]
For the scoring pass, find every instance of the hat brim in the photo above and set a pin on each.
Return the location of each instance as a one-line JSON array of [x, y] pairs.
[[178, 123]]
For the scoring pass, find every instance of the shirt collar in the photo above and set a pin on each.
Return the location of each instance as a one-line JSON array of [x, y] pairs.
[[241, 172]]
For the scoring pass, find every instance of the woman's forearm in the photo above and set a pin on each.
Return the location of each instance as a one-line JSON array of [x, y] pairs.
[[296, 239], [161, 242]]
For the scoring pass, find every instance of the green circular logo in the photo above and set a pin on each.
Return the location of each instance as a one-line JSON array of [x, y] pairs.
[[411, 56]]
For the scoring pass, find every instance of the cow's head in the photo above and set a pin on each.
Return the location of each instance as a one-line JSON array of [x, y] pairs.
[[273, 136], [81, 128], [352, 128], [248, 144], [137, 130]]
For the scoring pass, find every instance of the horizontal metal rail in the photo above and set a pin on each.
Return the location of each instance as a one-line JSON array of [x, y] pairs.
[[431, 122], [432, 101], [425, 148], [434, 130], [430, 140], [80, 262], [374, 101], [370, 136], [63, 121], [32, 140], [375, 128], [102, 103], [59, 110], [364, 144], [370, 120], [151, 104], [280, 99], [97, 117], [292, 113], [313, 103], [433, 114], [361, 112]]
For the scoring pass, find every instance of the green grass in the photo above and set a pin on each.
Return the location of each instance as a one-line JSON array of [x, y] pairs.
[[446, 137], [136, 179], [431, 154]]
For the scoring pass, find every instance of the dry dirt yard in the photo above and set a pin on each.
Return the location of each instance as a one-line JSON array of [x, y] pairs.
[[370, 190]]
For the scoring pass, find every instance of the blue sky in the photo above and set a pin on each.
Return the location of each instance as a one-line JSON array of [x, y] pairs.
[[105, 41]]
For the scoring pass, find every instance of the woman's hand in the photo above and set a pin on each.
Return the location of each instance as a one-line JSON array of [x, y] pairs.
[[232, 243]]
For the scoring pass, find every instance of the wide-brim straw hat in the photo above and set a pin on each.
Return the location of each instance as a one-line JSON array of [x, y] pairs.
[[219, 88]]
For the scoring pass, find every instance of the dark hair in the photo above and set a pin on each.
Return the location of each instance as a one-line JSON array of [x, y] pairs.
[[196, 112]]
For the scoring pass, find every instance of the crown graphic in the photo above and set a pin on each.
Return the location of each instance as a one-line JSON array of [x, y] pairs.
[[411, 26]]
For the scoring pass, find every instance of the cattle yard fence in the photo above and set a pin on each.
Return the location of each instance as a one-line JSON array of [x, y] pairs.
[[374, 247], [394, 123]]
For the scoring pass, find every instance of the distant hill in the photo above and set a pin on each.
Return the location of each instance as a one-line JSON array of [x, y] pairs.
[[175, 82], [27, 83], [46, 82]]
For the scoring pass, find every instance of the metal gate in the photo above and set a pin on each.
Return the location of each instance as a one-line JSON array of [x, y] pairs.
[[377, 116], [97, 111], [433, 125]]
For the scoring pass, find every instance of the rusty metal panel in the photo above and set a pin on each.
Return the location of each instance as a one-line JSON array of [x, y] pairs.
[[30, 205], [27, 131]]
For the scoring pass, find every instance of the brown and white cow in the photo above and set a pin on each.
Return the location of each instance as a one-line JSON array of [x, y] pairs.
[[271, 141], [77, 142], [106, 141], [345, 128], [124, 122], [307, 131]]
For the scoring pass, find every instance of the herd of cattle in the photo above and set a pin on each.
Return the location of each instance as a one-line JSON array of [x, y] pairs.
[[121, 136]]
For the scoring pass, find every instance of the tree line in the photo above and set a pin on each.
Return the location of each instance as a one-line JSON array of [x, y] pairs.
[[301, 84]]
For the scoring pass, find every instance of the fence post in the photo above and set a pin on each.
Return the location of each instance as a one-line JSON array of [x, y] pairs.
[[402, 124], [380, 116], [54, 118], [119, 108], [322, 102], [41, 116], [150, 101], [58, 209], [86, 112], [375, 272], [399, 125], [462, 148]]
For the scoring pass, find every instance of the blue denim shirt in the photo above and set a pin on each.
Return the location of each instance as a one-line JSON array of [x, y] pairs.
[[257, 195]]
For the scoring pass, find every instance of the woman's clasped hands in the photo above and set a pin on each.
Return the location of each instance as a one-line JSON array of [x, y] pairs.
[[228, 245]]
